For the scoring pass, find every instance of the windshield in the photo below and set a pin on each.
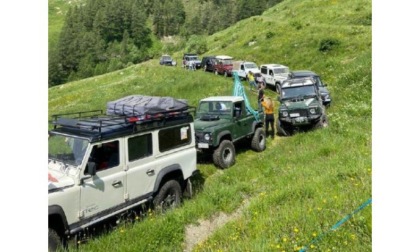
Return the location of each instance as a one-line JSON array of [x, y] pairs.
[[227, 62], [166, 58], [215, 107], [251, 65], [65, 149], [292, 92], [281, 71]]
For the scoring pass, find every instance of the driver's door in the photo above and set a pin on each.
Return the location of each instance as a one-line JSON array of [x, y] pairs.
[[106, 188]]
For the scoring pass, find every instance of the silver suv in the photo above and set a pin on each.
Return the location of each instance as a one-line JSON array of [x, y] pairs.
[[100, 166]]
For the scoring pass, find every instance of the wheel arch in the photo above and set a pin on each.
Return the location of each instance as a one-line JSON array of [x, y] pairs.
[[57, 220], [223, 135], [170, 172]]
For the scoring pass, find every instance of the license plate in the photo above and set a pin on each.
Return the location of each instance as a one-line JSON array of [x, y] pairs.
[[203, 145], [294, 114], [300, 119]]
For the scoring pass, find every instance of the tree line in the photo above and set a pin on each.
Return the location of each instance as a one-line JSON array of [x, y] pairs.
[[101, 36]]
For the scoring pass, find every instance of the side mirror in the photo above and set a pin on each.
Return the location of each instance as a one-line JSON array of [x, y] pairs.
[[91, 168]]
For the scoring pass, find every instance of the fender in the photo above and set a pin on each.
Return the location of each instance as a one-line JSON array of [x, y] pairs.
[[221, 135], [163, 172], [57, 210]]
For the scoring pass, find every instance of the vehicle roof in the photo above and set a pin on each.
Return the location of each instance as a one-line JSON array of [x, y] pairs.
[[97, 128], [303, 73], [298, 82], [224, 98], [223, 57], [274, 66]]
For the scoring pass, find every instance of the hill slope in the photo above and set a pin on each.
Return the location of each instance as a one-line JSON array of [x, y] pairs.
[[294, 192]]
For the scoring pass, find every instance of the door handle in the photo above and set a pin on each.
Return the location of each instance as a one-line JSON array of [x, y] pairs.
[[150, 172], [116, 183]]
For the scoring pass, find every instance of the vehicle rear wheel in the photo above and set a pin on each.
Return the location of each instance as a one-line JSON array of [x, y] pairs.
[[169, 196], [54, 241], [258, 140], [224, 155]]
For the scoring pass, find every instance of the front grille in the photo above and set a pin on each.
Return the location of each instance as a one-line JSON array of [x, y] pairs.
[[302, 112]]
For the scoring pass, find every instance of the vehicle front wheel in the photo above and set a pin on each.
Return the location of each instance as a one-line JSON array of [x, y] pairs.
[[224, 155], [322, 123], [54, 241], [280, 130], [169, 196], [258, 140], [278, 88]]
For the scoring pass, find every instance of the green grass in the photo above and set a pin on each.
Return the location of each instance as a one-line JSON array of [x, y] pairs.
[[300, 186]]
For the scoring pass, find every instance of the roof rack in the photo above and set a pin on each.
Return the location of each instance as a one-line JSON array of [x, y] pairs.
[[96, 125]]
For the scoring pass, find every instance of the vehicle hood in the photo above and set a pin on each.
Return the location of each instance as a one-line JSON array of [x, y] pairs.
[[58, 179], [323, 90], [299, 103], [204, 125]]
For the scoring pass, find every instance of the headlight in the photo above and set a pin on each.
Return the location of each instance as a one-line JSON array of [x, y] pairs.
[[207, 136], [284, 113], [312, 110]]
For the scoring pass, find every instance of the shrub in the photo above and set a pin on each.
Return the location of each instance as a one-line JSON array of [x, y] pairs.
[[328, 44]]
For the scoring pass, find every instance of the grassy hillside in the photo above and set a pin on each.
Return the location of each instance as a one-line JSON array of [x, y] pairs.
[[296, 190]]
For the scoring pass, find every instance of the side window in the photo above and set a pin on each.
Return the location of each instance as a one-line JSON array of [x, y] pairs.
[[174, 137], [264, 70], [271, 72], [105, 155], [140, 147], [237, 109]]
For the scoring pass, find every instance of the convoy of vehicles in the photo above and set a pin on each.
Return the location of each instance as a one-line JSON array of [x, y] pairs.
[[102, 165]]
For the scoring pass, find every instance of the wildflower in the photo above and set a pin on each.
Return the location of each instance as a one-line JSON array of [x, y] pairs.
[[296, 230], [284, 239], [314, 234], [324, 200], [312, 246]]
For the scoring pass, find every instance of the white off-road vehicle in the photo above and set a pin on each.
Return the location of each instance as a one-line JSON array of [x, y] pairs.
[[101, 165], [274, 75]]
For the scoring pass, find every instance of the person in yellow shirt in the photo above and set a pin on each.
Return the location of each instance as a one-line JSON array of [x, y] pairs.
[[251, 81], [268, 106]]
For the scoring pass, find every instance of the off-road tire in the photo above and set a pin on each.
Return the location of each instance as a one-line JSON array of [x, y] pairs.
[[280, 130], [258, 140], [224, 155], [169, 196], [54, 241], [278, 87], [322, 123]]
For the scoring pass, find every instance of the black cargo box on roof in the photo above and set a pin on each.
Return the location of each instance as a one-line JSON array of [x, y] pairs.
[[139, 105]]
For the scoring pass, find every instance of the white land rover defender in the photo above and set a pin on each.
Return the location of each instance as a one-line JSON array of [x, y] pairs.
[[101, 165]]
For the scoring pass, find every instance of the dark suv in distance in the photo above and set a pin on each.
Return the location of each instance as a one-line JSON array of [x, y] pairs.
[[167, 60], [208, 63], [325, 94]]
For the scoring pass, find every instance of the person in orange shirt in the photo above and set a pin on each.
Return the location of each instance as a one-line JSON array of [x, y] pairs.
[[268, 106]]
